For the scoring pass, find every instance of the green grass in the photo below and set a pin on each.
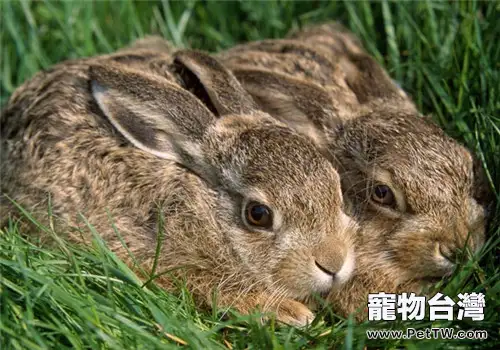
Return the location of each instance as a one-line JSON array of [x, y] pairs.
[[445, 54]]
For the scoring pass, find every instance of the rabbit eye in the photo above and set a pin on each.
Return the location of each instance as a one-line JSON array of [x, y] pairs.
[[382, 194], [259, 215]]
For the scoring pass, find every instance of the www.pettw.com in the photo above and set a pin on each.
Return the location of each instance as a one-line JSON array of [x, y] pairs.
[[407, 307]]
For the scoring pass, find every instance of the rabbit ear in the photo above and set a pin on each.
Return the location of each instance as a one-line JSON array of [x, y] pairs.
[[225, 93], [151, 42], [364, 75], [306, 107], [153, 114], [333, 37], [368, 80]]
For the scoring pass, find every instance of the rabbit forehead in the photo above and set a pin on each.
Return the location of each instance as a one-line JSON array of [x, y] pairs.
[[260, 144], [282, 156], [431, 181], [432, 175], [278, 164], [419, 156]]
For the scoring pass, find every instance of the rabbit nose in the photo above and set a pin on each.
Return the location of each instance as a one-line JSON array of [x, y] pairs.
[[336, 261], [330, 258], [325, 270], [453, 255]]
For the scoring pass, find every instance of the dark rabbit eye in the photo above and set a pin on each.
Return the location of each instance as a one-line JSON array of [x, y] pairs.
[[259, 215], [382, 194]]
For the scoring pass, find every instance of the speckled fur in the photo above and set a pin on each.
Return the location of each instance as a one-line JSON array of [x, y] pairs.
[[374, 134], [59, 140]]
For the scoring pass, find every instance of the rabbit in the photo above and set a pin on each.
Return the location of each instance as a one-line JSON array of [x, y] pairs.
[[370, 129], [169, 150], [419, 196]]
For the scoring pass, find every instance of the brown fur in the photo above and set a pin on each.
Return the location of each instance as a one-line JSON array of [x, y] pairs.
[[119, 139], [374, 135]]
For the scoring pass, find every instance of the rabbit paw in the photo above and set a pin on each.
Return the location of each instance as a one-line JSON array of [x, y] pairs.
[[294, 313]]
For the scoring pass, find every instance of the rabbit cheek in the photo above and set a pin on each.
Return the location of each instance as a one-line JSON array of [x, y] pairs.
[[254, 251], [420, 257]]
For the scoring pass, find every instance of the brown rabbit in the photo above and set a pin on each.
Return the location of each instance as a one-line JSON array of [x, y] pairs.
[[416, 192], [252, 210]]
